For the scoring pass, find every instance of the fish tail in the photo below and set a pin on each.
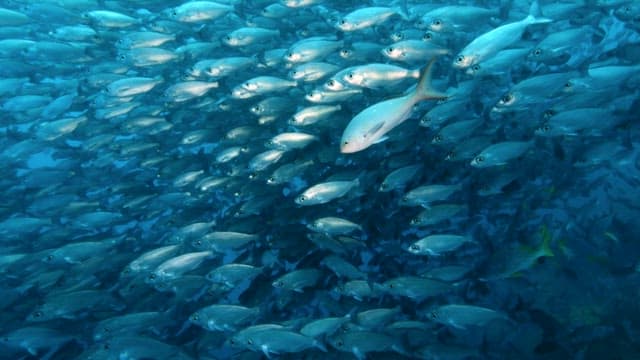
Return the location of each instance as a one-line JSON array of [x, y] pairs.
[[535, 14], [403, 11], [424, 90], [545, 248]]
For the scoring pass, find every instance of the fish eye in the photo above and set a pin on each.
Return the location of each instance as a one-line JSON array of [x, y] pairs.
[[49, 257], [174, 13], [476, 67], [350, 76], [479, 159], [546, 128], [344, 52], [339, 343], [390, 285], [437, 22], [122, 57], [437, 138], [290, 55], [433, 315], [398, 35], [227, 37], [197, 243], [390, 49], [331, 83], [252, 176], [249, 342], [106, 346], [271, 180], [342, 22], [506, 99], [427, 36], [279, 283], [195, 317], [37, 314], [537, 52], [414, 247], [301, 198], [460, 59], [152, 276]]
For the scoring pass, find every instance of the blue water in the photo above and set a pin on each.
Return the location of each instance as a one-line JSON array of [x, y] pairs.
[[542, 262]]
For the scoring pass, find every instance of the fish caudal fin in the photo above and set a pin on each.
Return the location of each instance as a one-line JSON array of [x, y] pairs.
[[424, 90], [535, 15], [545, 247]]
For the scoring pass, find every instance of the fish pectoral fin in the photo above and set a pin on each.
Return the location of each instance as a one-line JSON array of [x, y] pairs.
[[456, 325], [266, 351], [382, 139], [373, 130], [360, 355]]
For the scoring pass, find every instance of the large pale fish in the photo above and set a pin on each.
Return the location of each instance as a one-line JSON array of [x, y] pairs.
[[372, 124], [491, 42]]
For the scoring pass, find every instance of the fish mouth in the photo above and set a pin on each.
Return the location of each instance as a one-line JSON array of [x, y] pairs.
[[345, 149]]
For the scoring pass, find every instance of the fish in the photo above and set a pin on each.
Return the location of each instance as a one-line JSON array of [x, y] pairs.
[[372, 124], [455, 18], [463, 316], [199, 11], [398, 178], [277, 341], [175, 183], [297, 280], [491, 42], [413, 51], [360, 343], [334, 226], [367, 17], [437, 244], [223, 317], [325, 192]]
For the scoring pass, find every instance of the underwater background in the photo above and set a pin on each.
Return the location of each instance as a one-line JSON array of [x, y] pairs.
[[319, 179]]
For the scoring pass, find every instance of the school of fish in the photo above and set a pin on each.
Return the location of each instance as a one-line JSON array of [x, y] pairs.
[[319, 179]]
